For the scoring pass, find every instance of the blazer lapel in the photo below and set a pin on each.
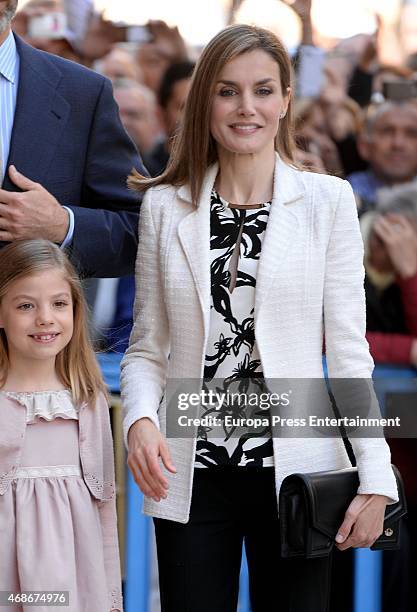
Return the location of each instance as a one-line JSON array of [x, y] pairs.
[[194, 235], [281, 229], [40, 115]]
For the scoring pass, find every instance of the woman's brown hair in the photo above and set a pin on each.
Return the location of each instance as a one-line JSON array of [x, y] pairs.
[[194, 149], [76, 364]]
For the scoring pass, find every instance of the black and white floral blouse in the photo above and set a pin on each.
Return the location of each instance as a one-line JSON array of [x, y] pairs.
[[232, 355]]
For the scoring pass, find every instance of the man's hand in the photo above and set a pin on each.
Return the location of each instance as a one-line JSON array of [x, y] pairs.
[[32, 213], [400, 239], [167, 39], [363, 522]]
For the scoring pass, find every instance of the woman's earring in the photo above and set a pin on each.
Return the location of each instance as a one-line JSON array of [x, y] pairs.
[[282, 115]]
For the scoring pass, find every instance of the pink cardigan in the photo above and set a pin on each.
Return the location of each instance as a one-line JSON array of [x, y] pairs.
[[96, 453]]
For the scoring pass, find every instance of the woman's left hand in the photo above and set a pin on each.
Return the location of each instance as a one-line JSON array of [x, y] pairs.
[[363, 522]]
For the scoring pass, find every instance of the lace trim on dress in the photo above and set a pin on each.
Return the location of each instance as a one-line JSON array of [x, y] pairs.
[[116, 600], [48, 471], [47, 405]]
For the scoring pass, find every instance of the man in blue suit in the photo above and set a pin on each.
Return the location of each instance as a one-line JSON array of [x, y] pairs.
[[64, 158]]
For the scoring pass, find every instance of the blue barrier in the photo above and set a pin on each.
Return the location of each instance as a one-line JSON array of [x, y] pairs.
[[136, 593], [368, 564], [110, 368], [244, 601], [367, 580]]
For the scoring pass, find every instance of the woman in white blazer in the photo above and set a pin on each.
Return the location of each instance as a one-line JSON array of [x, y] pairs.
[[244, 263]]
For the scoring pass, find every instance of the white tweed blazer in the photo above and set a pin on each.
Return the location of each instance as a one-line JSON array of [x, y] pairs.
[[309, 281]]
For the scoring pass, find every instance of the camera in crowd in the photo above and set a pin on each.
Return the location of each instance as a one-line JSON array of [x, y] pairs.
[[398, 90]]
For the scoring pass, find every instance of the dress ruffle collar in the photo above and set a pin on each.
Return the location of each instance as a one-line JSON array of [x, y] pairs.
[[47, 405]]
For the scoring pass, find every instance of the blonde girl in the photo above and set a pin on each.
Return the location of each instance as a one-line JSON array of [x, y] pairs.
[[57, 505]]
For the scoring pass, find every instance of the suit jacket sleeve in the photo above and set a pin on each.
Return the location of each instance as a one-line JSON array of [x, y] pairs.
[[105, 236], [347, 351]]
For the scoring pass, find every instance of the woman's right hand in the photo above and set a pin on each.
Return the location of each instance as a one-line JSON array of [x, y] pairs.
[[145, 445]]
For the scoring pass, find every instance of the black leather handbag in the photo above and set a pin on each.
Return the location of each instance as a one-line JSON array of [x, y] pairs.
[[312, 508]]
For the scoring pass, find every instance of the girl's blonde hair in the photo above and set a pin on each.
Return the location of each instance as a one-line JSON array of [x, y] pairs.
[[76, 364], [194, 148]]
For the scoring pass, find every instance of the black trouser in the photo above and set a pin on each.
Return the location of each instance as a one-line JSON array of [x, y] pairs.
[[199, 562]]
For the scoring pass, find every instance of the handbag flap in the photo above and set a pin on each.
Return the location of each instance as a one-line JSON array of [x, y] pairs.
[[327, 496]]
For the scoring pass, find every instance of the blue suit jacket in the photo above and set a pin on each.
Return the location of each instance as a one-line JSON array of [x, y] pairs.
[[67, 135]]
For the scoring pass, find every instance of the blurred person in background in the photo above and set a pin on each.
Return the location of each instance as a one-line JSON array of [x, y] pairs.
[[151, 134], [388, 143], [380, 59], [390, 237], [328, 129], [165, 47], [79, 13], [72, 29], [74, 24], [172, 96], [309, 57], [338, 66], [100, 37], [119, 64], [344, 119], [140, 115], [43, 24], [312, 135], [138, 110], [64, 158]]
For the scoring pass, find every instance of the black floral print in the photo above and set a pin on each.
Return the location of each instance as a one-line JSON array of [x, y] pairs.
[[232, 358]]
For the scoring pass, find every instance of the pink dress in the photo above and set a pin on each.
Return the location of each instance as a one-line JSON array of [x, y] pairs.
[[50, 530]]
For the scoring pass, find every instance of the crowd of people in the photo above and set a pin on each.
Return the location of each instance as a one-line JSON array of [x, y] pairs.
[[355, 117]]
